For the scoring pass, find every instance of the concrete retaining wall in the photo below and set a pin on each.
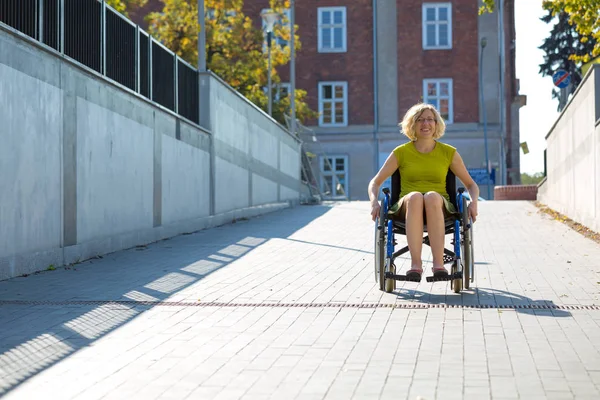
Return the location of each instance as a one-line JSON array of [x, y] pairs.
[[89, 167], [572, 185]]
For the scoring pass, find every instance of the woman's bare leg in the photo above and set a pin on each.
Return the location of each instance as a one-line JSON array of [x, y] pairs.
[[435, 226], [413, 204]]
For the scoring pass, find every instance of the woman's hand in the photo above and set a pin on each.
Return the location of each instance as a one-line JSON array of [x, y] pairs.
[[375, 207], [472, 210]]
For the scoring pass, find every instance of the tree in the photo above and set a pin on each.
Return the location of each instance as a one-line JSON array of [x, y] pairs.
[[563, 46], [235, 48], [583, 15], [123, 5], [533, 179]]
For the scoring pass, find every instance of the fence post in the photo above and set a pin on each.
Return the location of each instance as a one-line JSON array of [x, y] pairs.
[[103, 40], [175, 85], [61, 26], [137, 59], [40, 21], [150, 39]]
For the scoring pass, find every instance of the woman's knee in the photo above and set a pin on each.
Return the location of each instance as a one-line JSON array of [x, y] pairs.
[[414, 199], [433, 199]]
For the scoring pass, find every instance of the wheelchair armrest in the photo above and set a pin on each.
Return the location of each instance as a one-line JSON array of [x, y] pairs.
[[386, 190], [461, 190]]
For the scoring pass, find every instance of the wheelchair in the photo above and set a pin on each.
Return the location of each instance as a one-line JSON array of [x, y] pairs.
[[459, 225]]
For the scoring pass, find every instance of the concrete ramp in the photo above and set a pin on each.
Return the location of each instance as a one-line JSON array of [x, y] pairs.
[[285, 306]]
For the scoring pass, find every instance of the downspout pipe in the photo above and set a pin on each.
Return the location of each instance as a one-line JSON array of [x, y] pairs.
[[502, 60], [375, 90]]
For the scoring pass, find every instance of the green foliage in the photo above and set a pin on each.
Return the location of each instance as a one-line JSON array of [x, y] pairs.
[[123, 5], [235, 48], [534, 179], [583, 15], [563, 43], [488, 6]]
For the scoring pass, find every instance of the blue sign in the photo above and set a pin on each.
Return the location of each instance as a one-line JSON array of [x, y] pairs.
[[481, 176], [561, 78]]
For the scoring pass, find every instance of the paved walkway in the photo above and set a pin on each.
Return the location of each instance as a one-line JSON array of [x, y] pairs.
[[285, 306]]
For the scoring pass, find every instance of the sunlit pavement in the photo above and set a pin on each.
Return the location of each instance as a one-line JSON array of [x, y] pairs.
[[285, 306]]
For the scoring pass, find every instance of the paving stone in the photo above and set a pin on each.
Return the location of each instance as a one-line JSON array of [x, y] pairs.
[[265, 337]]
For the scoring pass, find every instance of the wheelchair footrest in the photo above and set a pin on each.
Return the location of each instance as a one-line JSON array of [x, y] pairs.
[[449, 277], [389, 275]]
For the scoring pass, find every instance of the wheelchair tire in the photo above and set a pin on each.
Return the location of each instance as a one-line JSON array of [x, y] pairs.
[[380, 244], [467, 247], [390, 284], [457, 284]]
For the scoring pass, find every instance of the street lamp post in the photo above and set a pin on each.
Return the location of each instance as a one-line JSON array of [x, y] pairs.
[[292, 67], [270, 17], [201, 38], [483, 43]]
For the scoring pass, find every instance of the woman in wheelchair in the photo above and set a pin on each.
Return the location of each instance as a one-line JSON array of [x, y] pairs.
[[423, 164]]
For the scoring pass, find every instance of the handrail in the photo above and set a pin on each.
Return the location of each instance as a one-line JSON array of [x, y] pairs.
[[80, 30]]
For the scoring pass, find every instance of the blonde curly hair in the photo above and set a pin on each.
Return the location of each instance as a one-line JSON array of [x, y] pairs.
[[410, 119]]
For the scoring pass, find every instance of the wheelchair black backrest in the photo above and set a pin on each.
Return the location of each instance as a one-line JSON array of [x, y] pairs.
[[450, 186]]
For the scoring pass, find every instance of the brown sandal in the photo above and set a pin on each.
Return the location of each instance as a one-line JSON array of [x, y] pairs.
[[439, 272], [414, 274]]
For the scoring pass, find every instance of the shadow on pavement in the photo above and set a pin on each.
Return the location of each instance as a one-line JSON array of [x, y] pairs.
[[35, 338], [485, 298]]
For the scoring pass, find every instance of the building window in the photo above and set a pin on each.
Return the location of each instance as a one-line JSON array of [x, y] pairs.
[[333, 104], [282, 91], [332, 29], [438, 93], [211, 14], [283, 22], [279, 91], [334, 171], [437, 26]]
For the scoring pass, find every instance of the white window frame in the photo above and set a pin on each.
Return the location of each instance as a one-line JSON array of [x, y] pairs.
[[332, 173], [322, 101], [450, 96], [282, 85], [331, 26], [276, 89], [276, 39], [210, 13], [437, 24]]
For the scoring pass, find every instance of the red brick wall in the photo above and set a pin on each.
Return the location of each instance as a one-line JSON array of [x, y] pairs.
[[515, 192], [355, 66], [460, 63]]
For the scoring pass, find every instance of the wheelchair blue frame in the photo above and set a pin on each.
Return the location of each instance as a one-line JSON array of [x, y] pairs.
[[455, 257], [390, 226]]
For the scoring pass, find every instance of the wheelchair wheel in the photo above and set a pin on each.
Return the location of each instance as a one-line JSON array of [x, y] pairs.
[[457, 284], [380, 241], [390, 284], [467, 246]]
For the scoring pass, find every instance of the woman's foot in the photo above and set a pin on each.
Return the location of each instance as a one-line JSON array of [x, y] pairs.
[[439, 271], [414, 273]]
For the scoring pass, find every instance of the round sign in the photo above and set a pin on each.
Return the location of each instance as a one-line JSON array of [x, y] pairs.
[[561, 78]]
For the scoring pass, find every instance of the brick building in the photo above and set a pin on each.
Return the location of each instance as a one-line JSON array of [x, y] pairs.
[[365, 62]]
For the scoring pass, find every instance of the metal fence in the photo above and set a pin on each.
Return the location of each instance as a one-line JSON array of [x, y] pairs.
[[95, 35]]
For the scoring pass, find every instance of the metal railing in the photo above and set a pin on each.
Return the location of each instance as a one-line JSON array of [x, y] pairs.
[[100, 38]]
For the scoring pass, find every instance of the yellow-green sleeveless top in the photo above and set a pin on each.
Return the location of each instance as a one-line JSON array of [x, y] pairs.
[[424, 172]]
